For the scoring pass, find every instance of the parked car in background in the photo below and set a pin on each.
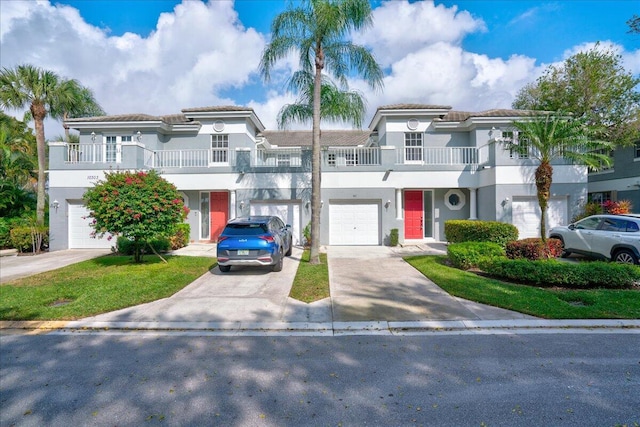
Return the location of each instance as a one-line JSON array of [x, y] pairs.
[[256, 241], [611, 237]]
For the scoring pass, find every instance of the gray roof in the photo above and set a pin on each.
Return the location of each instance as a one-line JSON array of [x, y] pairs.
[[171, 119], [216, 109], [460, 116], [414, 107], [329, 138]]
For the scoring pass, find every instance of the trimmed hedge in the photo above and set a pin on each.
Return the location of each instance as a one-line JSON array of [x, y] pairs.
[[125, 246], [467, 255], [534, 248], [457, 231], [551, 272]]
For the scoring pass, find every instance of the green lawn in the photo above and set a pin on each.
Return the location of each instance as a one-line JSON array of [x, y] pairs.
[[97, 286], [540, 302], [312, 281]]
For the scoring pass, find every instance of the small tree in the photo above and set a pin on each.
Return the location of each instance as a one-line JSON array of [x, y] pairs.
[[550, 136], [140, 206]]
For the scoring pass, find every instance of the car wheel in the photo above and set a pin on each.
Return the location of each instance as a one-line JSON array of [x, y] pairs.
[[290, 248], [224, 268], [565, 253], [625, 256], [278, 266]]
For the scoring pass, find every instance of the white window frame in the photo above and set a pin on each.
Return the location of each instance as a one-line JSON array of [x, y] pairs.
[[414, 144], [219, 149], [112, 142]]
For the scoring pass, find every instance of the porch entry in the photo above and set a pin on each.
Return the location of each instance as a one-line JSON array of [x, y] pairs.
[[418, 214], [214, 214]]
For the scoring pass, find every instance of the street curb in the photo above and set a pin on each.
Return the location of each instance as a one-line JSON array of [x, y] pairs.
[[324, 328]]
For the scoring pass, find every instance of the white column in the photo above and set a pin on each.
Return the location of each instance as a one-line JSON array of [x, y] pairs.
[[473, 210], [232, 204], [398, 203]]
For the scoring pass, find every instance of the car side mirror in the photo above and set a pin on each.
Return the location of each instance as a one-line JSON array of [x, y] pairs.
[[571, 227]]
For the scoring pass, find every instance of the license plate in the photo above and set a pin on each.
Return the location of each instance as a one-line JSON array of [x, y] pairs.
[[243, 251]]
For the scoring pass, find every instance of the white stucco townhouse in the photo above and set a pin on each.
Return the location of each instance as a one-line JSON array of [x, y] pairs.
[[413, 168]]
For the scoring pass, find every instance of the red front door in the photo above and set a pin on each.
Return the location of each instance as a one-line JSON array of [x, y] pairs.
[[219, 213], [413, 215]]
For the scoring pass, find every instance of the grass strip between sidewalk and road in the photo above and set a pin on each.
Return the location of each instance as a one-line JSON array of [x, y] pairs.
[[312, 281], [98, 286], [551, 303]]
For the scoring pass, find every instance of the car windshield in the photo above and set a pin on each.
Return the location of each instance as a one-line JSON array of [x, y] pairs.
[[245, 229]]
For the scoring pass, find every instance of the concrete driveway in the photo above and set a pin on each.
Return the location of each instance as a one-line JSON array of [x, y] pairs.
[[373, 283], [245, 294]]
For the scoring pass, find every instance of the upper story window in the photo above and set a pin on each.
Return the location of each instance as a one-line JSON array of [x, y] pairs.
[[126, 138], [284, 159], [608, 153], [112, 149], [413, 147], [219, 148], [519, 147]]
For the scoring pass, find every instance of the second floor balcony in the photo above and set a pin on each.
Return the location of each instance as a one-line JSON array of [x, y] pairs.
[[103, 156]]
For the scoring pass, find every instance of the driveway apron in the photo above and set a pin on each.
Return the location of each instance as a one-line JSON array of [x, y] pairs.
[[374, 283], [245, 294]]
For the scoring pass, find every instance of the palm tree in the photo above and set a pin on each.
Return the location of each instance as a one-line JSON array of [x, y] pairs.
[[335, 104], [552, 136], [316, 31], [46, 95]]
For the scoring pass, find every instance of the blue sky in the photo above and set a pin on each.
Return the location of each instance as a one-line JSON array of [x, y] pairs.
[[472, 55]]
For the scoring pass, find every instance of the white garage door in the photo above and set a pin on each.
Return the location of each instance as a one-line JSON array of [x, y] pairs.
[[80, 230], [288, 212], [354, 223], [526, 215]]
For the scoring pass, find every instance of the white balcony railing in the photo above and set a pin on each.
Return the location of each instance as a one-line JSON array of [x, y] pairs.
[[439, 156], [353, 156], [279, 157], [191, 158], [85, 153]]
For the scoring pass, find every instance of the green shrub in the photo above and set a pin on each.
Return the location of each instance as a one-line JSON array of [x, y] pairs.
[[6, 224], [457, 231], [125, 246], [534, 248], [180, 237], [566, 274], [467, 255], [306, 232], [393, 237], [29, 238]]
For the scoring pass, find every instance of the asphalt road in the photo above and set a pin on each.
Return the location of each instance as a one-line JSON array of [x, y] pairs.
[[468, 380]]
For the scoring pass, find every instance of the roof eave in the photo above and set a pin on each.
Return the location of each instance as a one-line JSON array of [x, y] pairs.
[[434, 112]]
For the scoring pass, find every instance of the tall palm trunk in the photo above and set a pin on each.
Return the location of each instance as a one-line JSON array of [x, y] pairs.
[[39, 112], [316, 204], [544, 174]]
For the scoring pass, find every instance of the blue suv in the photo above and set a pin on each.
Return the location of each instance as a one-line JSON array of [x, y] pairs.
[[256, 240]]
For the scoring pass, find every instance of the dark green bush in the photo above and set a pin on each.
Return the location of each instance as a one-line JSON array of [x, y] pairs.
[[467, 255], [180, 237], [6, 224], [566, 274], [457, 231], [29, 238], [125, 246], [534, 248], [393, 237]]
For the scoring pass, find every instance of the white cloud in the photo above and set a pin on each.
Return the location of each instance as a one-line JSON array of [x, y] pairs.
[[401, 28], [195, 53], [630, 60]]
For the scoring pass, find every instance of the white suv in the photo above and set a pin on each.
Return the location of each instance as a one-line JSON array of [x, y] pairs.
[[611, 237]]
